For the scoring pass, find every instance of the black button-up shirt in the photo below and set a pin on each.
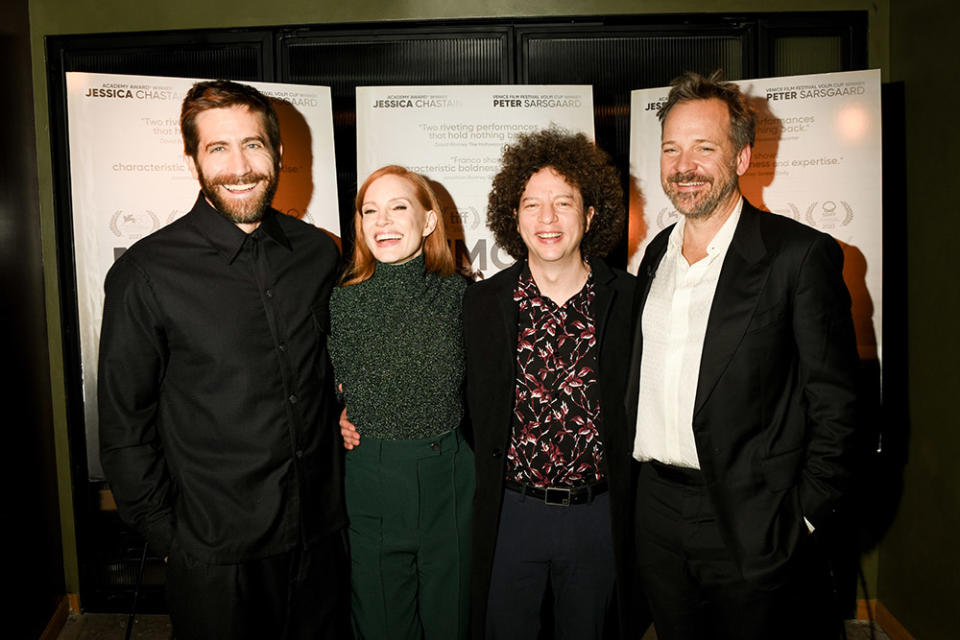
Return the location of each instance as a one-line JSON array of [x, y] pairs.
[[217, 411]]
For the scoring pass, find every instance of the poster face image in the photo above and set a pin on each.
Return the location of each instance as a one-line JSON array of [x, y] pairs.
[[454, 136], [128, 178], [817, 158]]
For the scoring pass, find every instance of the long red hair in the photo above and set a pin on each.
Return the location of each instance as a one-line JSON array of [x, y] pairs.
[[437, 256]]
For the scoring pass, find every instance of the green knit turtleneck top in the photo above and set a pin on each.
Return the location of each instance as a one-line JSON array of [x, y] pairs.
[[396, 343]]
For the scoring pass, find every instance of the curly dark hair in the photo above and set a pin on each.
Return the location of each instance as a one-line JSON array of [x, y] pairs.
[[581, 163]]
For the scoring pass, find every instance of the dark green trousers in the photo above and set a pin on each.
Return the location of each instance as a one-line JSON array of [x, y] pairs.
[[410, 503]]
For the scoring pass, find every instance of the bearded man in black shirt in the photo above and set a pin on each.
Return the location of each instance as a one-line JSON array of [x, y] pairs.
[[215, 391]]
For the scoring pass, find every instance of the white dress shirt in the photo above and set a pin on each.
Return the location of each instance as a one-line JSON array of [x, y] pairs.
[[674, 324]]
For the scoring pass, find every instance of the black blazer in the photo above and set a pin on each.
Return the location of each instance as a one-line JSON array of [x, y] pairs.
[[490, 336], [775, 407]]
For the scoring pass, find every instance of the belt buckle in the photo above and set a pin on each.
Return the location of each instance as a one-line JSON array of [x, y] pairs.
[[559, 496]]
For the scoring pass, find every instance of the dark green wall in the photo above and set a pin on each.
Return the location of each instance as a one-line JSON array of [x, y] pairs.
[[33, 566], [919, 579], [910, 40]]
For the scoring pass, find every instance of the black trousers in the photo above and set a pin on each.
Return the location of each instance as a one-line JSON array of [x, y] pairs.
[[298, 595], [572, 548], [692, 581]]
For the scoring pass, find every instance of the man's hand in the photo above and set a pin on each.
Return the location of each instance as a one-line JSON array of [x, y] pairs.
[[351, 438]]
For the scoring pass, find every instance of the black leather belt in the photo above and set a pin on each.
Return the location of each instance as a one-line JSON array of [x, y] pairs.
[[560, 496]]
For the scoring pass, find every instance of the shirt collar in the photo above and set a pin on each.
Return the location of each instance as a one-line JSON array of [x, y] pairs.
[[527, 286], [721, 240], [227, 237]]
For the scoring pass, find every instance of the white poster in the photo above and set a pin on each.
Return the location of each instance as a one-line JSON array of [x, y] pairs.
[[128, 178], [817, 159], [454, 136]]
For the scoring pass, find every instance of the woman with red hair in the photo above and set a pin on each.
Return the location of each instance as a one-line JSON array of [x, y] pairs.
[[396, 343]]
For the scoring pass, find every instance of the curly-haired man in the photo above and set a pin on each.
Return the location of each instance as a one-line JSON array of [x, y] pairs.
[[547, 344]]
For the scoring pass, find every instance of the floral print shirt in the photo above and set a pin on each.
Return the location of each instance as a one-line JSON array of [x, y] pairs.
[[555, 440]]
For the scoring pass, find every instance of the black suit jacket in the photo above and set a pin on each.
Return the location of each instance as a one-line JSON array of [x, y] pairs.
[[775, 407], [490, 336]]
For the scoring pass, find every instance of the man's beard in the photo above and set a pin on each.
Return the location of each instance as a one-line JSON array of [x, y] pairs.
[[700, 205], [240, 211]]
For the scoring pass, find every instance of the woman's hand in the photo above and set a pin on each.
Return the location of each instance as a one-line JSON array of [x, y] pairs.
[[349, 433]]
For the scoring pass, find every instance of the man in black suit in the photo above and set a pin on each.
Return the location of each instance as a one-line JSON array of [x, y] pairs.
[[547, 351], [742, 391]]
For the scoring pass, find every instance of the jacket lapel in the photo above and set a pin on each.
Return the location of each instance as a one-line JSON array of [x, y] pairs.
[[602, 275], [507, 307], [742, 278], [502, 350]]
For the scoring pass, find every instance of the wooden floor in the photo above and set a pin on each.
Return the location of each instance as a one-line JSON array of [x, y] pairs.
[[109, 626]]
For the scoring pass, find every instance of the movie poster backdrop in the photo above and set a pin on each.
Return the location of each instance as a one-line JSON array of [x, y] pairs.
[[454, 136]]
